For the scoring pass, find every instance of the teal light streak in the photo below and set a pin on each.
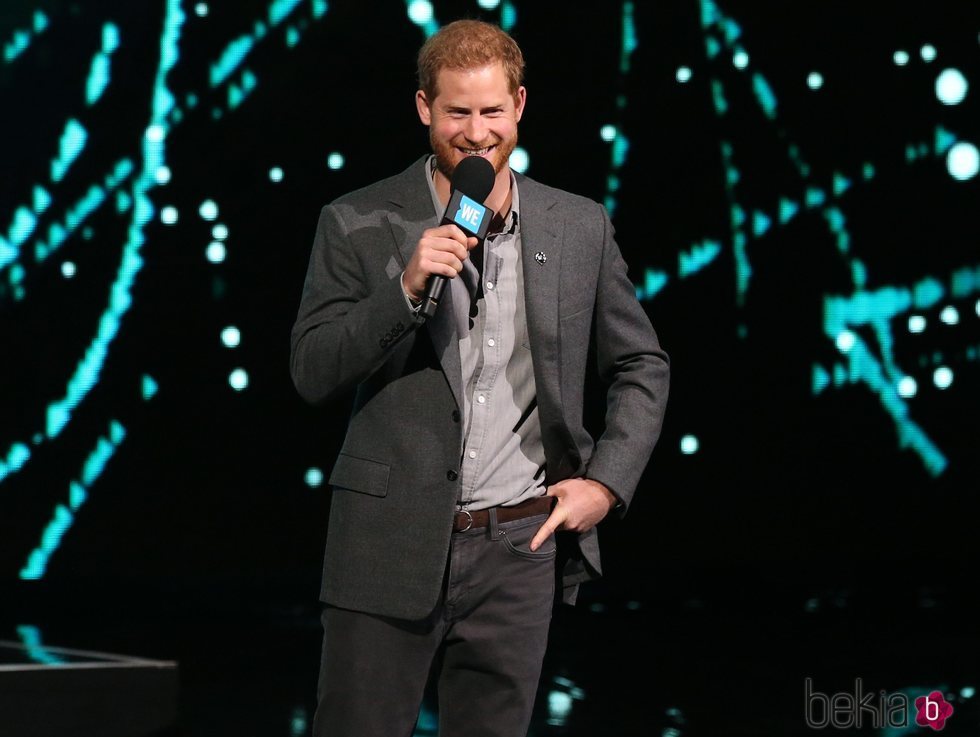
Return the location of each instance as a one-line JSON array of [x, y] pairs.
[[238, 93], [280, 9], [98, 77], [428, 24], [150, 387], [508, 15], [654, 280], [75, 216], [87, 372], [69, 147], [64, 516], [17, 456], [880, 375], [233, 55], [30, 636], [763, 92], [699, 256], [620, 143], [22, 38], [59, 412]]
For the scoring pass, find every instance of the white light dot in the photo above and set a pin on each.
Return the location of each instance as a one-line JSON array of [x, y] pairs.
[[907, 387], [689, 445], [607, 132], [845, 341], [216, 252], [814, 80], [684, 74], [519, 160], [950, 315], [951, 87], [276, 174], [740, 59], [68, 269], [201, 9], [169, 215], [155, 133], [901, 58], [231, 337], [963, 161], [335, 161], [928, 52], [209, 210], [162, 174], [977, 308], [238, 379], [219, 232], [943, 377], [488, 4], [420, 11], [917, 323], [314, 477]]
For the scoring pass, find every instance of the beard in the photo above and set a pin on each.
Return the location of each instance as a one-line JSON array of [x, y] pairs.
[[447, 155]]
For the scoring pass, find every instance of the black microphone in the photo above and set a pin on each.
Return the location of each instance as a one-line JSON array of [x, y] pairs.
[[472, 183]]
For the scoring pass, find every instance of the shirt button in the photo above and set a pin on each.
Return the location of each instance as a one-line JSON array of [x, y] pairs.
[[481, 399], [451, 475], [489, 285], [491, 343], [472, 454]]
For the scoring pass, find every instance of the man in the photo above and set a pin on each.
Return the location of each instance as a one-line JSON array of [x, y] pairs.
[[465, 451]]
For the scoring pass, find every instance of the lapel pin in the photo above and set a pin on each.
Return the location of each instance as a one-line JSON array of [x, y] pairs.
[[540, 257]]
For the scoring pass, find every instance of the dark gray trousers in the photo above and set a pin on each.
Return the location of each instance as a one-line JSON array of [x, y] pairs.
[[484, 645]]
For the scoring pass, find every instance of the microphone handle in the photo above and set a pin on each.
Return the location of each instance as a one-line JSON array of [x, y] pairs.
[[433, 295]]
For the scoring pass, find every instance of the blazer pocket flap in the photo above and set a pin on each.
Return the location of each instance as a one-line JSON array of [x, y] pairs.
[[360, 474]]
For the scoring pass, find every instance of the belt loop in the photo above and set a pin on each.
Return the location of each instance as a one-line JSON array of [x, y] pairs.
[[494, 534]]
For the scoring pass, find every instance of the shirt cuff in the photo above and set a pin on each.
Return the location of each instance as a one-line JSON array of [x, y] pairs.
[[413, 305]]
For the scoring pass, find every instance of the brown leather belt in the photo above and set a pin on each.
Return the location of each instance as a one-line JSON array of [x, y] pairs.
[[466, 520]]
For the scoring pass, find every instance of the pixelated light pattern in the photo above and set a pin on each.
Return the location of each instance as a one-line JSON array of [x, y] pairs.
[[858, 324], [38, 229], [872, 366]]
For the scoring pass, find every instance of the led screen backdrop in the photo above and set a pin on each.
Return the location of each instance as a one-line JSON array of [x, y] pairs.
[[794, 186]]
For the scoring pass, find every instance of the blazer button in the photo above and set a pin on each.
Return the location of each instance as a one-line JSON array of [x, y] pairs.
[[455, 415], [452, 475]]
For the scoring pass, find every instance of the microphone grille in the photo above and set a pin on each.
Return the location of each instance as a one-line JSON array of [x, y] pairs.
[[474, 177]]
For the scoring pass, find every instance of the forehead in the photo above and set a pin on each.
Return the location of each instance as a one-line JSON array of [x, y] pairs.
[[485, 85]]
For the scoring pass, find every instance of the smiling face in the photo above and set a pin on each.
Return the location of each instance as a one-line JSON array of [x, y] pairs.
[[474, 113]]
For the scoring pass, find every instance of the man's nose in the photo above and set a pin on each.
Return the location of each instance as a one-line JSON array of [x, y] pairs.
[[476, 129]]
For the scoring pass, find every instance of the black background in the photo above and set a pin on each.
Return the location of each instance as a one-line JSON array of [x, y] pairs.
[[208, 489]]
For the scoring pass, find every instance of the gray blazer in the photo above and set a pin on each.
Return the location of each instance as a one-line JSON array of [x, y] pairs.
[[395, 482]]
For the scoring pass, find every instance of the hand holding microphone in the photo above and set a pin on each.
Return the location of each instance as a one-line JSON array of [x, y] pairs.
[[441, 251]]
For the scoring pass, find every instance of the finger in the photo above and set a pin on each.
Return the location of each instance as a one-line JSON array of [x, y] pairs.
[[551, 524], [471, 242], [447, 245], [454, 232]]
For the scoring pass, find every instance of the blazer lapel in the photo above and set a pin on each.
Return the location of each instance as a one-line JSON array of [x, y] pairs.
[[413, 213], [541, 264]]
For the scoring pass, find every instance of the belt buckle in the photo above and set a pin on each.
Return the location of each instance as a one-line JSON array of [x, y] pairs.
[[469, 519]]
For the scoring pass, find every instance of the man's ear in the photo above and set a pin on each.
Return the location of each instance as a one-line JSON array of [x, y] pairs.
[[520, 99], [422, 105]]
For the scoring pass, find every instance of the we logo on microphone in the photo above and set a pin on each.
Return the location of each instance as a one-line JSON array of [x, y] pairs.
[[879, 710], [470, 214]]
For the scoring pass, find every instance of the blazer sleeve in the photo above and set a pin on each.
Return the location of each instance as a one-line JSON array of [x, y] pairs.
[[351, 314], [636, 370]]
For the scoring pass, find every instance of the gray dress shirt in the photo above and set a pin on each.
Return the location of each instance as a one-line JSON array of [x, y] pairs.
[[503, 456]]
